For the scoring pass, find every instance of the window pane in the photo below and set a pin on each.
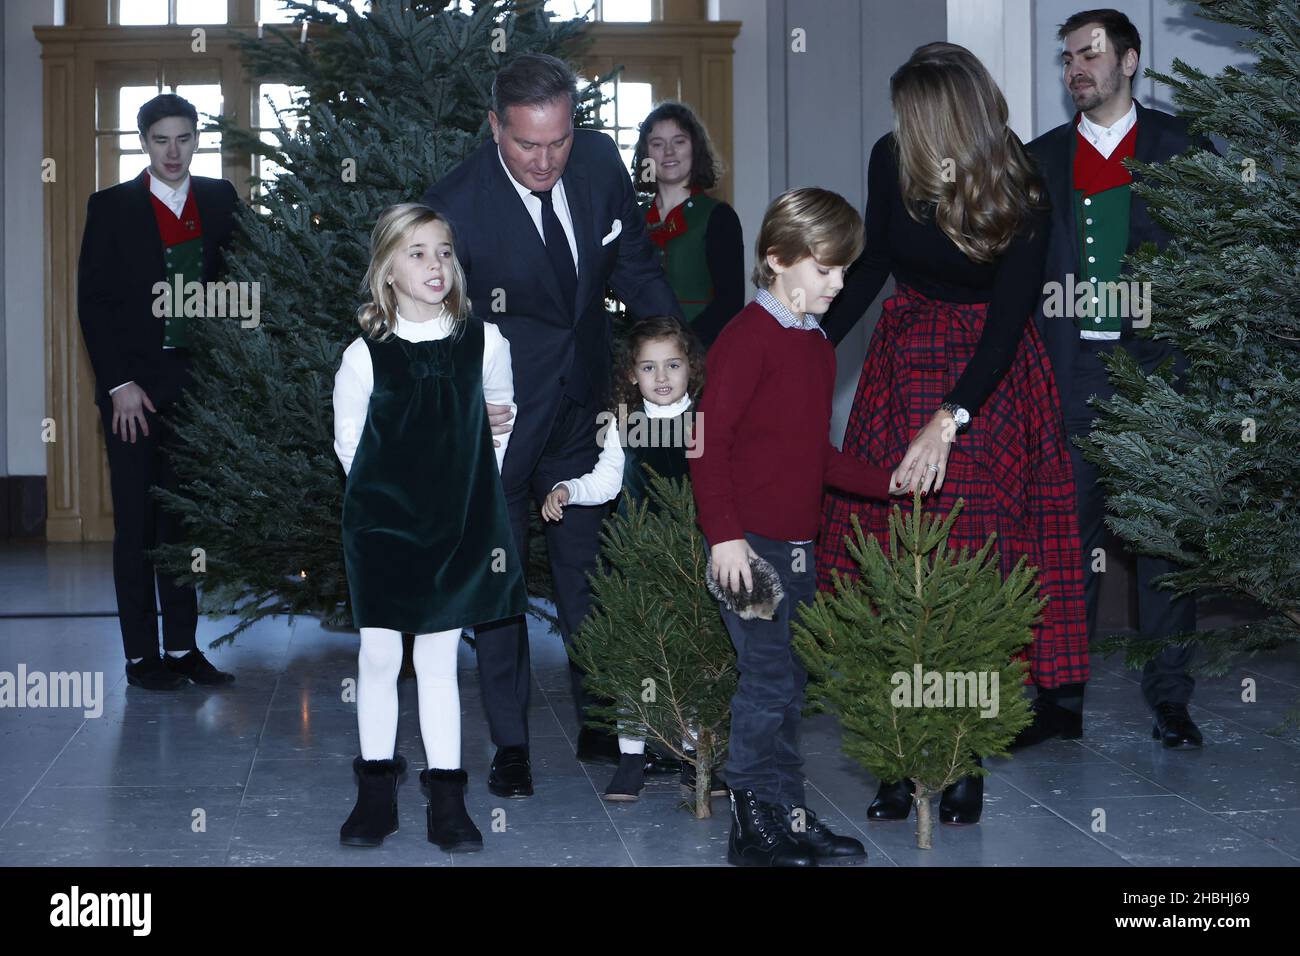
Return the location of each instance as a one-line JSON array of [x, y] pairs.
[[571, 9], [625, 10], [633, 103], [206, 98], [129, 166], [282, 97], [142, 11], [129, 101], [206, 164], [272, 11], [200, 11]]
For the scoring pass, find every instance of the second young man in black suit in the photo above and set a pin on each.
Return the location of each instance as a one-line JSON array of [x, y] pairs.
[[162, 225]]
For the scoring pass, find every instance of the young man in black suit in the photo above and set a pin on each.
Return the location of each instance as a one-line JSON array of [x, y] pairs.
[[163, 224], [545, 218], [1096, 220]]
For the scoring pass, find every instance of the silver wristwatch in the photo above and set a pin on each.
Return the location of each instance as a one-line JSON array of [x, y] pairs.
[[959, 415]]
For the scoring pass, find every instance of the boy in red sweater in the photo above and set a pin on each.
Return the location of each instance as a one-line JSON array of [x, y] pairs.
[[758, 490]]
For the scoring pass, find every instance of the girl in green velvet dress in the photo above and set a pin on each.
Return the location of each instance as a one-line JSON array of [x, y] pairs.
[[426, 540], [659, 373]]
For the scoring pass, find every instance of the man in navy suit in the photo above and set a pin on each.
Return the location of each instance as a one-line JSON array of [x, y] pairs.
[[545, 218], [162, 227], [1096, 221]]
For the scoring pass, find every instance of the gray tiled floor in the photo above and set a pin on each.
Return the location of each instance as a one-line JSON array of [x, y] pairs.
[[259, 772]]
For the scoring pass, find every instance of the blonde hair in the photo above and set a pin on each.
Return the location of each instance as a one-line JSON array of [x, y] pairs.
[[949, 115], [807, 222], [378, 317]]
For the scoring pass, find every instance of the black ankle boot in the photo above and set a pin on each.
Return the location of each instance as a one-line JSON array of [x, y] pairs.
[[449, 825], [963, 802], [375, 815], [759, 836], [1057, 713], [893, 802], [628, 780], [816, 837]]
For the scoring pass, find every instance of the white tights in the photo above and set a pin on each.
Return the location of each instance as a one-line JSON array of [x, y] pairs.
[[378, 664]]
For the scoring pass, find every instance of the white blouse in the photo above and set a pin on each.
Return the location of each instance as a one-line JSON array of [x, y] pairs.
[[605, 481], [355, 380]]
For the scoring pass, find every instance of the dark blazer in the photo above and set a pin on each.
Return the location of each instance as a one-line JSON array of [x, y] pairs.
[[121, 260], [1160, 136], [503, 256]]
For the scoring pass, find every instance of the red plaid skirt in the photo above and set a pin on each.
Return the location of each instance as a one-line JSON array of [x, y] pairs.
[[1011, 466]]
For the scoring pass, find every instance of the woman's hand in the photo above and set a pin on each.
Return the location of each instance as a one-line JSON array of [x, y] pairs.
[[731, 564], [926, 461], [553, 506]]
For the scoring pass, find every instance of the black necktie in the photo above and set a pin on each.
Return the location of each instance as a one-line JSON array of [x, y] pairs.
[[557, 248]]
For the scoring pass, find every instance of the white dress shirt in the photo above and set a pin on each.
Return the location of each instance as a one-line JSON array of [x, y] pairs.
[[173, 199], [1106, 138], [605, 481], [355, 380], [534, 206]]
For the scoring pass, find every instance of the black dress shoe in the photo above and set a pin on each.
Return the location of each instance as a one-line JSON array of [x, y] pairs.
[[152, 674], [963, 802], [759, 836], [657, 764], [195, 667], [816, 837], [595, 746], [511, 774], [1174, 727], [1050, 720], [893, 802]]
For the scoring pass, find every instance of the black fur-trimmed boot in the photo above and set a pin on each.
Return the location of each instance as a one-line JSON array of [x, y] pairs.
[[449, 824], [375, 815]]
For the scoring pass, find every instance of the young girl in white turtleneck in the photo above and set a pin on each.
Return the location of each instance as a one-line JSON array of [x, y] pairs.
[[426, 537], [660, 369]]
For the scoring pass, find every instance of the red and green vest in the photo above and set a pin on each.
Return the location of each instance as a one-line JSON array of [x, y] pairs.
[[679, 240], [182, 241], [1101, 214]]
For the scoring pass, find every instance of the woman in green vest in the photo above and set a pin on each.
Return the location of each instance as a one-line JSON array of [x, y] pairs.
[[698, 237]]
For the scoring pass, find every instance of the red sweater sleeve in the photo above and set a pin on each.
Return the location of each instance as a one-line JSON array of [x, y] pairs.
[[852, 474], [733, 371]]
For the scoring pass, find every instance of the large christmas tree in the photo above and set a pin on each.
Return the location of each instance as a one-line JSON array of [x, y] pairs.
[[394, 97], [1205, 474], [915, 656]]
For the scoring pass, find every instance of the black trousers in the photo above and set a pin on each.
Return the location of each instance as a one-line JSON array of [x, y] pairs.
[[1159, 613], [572, 545], [140, 523]]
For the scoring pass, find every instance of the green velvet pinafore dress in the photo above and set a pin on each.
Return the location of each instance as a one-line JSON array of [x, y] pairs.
[[426, 537], [667, 459]]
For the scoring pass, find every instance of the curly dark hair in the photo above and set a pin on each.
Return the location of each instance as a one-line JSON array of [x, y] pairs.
[[624, 390], [706, 167]]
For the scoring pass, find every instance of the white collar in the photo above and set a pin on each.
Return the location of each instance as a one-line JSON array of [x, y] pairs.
[[779, 311], [166, 193], [666, 411], [526, 194], [436, 328], [1115, 131]]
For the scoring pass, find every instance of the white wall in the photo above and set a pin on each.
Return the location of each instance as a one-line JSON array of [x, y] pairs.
[[23, 402]]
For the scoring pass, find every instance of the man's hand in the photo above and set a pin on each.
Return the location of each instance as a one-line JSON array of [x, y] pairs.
[[731, 564], [553, 506], [129, 403], [499, 417]]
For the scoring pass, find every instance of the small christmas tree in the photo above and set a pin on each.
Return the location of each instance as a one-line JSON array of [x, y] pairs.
[[1204, 474], [654, 643], [916, 655]]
